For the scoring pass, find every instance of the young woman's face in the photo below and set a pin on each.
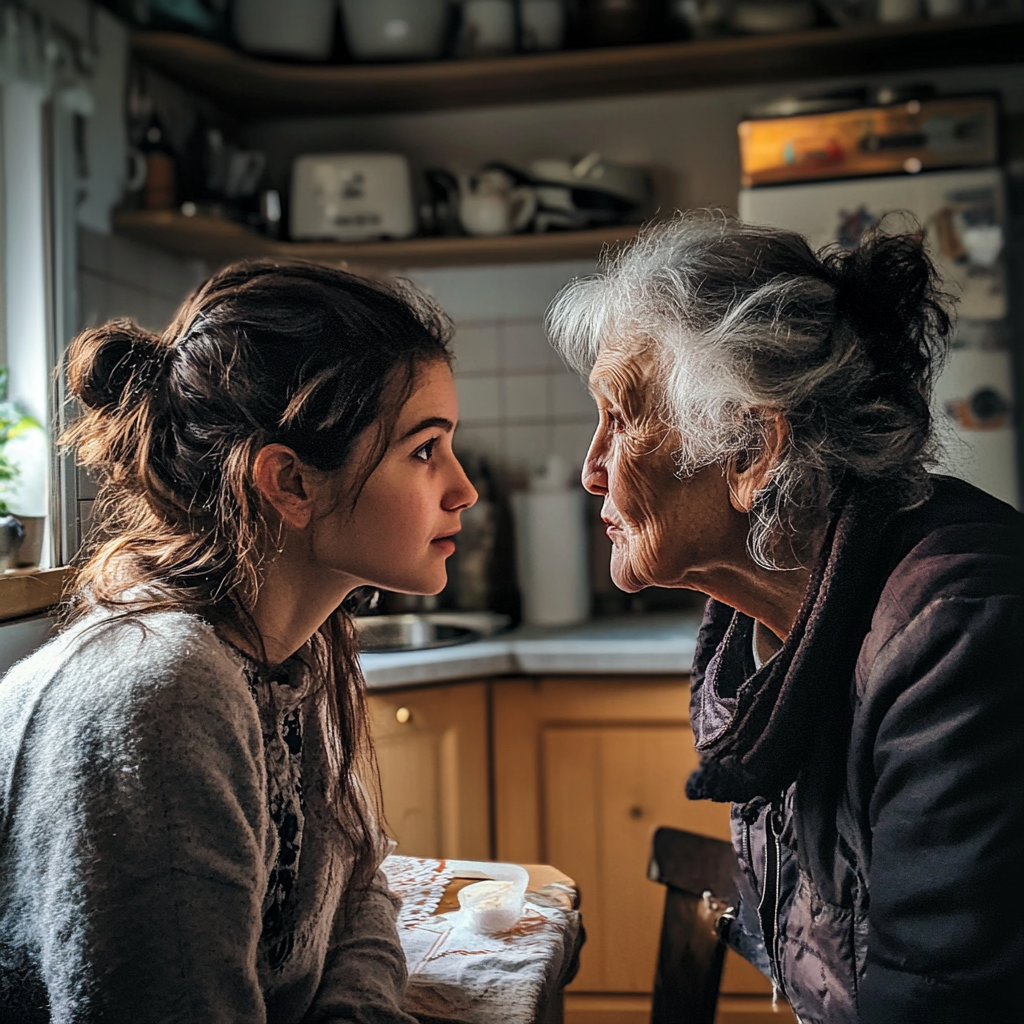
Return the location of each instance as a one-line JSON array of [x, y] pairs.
[[400, 533]]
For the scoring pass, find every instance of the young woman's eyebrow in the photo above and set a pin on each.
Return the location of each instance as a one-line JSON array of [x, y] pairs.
[[431, 421]]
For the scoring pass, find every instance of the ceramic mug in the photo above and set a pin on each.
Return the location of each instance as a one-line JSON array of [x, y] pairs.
[[497, 213]]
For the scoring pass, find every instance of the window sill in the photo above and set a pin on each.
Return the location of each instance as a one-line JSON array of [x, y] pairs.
[[30, 591]]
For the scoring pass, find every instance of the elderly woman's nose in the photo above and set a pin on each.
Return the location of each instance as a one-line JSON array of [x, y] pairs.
[[594, 476]]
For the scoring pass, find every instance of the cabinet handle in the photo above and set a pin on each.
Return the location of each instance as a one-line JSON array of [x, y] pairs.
[[402, 716], [636, 812]]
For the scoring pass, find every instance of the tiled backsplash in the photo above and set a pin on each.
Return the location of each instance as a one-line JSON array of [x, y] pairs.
[[117, 277], [517, 402]]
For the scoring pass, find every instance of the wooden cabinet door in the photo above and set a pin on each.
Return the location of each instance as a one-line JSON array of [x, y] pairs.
[[431, 745], [585, 770]]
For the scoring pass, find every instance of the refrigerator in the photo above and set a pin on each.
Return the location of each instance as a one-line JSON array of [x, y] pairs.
[[963, 213]]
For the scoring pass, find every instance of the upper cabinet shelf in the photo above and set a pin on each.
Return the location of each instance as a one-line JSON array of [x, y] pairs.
[[257, 89], [221, 241]]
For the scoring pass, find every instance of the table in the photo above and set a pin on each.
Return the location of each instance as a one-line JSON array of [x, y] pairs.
[[458, 977]]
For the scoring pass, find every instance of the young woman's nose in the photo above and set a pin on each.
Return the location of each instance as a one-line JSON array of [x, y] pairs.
[[460, 493], [595, 476]]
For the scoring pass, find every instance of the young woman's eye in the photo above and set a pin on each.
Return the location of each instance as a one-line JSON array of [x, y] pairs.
[[425, 451]]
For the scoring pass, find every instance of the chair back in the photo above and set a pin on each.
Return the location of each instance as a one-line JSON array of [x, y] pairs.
[[698, 874]]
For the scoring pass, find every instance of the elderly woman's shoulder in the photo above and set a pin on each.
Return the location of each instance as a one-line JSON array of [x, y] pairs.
[[960, 544], [126, 666]]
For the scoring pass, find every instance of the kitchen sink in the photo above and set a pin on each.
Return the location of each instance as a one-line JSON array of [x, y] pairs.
[[419, 632]]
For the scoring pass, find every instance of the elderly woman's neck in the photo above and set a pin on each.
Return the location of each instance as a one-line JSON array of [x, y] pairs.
[[771, 597]]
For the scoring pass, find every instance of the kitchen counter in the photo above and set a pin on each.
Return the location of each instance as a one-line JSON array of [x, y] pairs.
[[634, 645]]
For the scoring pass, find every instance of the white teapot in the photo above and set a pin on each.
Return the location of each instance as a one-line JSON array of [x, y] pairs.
[[490, 203]]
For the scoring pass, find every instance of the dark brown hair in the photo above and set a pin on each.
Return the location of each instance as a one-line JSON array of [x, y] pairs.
[[264, 352]]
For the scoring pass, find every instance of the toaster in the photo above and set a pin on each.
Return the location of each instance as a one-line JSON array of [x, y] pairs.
[[349, 197]]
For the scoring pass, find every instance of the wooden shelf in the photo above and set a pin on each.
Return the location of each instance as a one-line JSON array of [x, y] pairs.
[[253, 88], [222, 241], [31, 591]]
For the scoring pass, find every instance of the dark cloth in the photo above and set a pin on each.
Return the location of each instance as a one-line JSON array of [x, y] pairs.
[[876, 766]]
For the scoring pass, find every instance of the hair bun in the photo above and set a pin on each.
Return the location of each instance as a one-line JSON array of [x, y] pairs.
[[109, 366], [887, 289]]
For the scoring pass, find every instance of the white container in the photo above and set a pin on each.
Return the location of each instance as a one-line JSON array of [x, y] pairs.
[[351, 197], [551, 550], [298, 28], [394, 29], [495, 905]]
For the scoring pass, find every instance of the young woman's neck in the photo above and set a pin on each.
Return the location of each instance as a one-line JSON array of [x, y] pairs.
[[295, 599]]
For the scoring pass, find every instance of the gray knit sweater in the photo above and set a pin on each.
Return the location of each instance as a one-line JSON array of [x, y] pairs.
[[166, 848]]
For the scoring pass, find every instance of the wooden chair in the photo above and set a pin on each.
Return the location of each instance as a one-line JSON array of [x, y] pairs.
[[698, 875]]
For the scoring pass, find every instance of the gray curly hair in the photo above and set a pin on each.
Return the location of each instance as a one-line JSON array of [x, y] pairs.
[[746, 321]]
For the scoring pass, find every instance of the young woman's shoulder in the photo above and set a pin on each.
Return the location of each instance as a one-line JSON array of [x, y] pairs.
[[111, 681]]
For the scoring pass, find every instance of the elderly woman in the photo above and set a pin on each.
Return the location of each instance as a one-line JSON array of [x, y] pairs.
[[763, 437]]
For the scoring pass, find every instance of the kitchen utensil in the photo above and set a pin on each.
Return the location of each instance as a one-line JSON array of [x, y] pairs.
[[591, 171], [351, 197], [299, 28], [490, 204], [551, 547], [439, 214], [488, 28], [395, 29], [541, 24]]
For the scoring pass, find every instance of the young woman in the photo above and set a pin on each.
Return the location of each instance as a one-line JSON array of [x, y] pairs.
[[188, 828]]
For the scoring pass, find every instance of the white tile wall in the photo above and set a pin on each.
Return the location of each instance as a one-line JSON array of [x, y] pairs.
[[517, 401], [117, 277]]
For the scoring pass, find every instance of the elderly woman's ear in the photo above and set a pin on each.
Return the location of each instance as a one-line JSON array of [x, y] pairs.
[[750, 471]]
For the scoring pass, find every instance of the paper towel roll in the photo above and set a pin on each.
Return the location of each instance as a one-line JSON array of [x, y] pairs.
[[551, 556]]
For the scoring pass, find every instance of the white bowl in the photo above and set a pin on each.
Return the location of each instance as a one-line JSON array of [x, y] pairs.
[[394, 29]]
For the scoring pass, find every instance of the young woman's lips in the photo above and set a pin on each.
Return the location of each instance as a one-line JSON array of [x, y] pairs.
[[445, 544]]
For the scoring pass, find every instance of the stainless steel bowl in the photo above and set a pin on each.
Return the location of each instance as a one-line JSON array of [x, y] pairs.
[[379, 633]]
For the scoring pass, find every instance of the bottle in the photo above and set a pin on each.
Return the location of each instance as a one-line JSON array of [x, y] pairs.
[[160, 190]]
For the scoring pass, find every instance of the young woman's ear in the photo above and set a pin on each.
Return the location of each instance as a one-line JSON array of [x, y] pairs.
[[284, 481], [751, 471]]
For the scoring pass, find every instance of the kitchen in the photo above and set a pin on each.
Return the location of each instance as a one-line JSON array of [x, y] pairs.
[[559, 743]]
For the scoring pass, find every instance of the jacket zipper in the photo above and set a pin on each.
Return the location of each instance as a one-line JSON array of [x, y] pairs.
[[768, 910]]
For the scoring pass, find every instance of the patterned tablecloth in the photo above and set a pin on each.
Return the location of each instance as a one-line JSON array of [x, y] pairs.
[[456, 975]]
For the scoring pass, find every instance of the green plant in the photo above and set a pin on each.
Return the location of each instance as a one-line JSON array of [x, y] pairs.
[[12, 423]]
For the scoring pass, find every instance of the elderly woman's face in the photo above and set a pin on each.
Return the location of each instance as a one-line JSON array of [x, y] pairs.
[[664, 531]]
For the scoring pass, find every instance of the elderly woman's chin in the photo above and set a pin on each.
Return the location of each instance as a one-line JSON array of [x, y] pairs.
[[632, 568]]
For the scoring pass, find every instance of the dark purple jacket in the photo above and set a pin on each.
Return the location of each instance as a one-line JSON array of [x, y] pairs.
[[876, 767]]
